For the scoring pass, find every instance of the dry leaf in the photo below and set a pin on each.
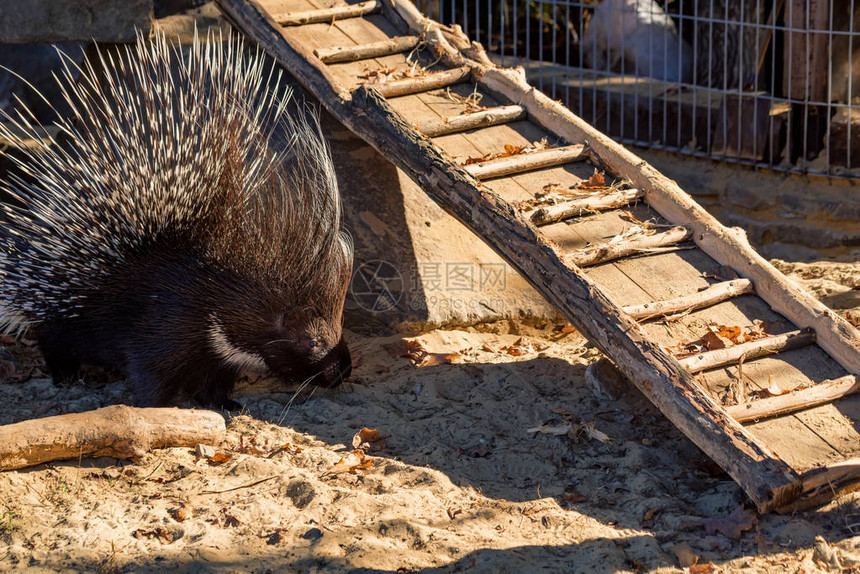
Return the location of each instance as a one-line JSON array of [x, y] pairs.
[[219, 458], [510, 150], [182, 513], [597, 435], [248, 445], [734, 334], [288, 447], [711, 341], [352, 463], [595, 181], [554, 430], [522, 346], [686, 555], [706, 568], [369, 440], [731, 526], [774, 390]]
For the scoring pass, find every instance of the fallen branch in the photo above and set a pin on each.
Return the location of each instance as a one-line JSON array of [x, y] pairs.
[[425, 83], [751, 350], [482, 119], [589, 204], [388, 47], [822, 393], [655, 243], [241, 486], [522, 162], [328, 14], [705, 298], [118, 431]]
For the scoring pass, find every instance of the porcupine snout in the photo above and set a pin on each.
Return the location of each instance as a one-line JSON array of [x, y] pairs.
[[338, 366]]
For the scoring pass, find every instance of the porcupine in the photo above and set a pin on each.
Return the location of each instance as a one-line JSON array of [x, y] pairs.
[[170, 239]]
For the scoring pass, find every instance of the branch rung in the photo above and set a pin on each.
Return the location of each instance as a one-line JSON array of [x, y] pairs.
[[425, 83], [633, 246], [822, 393], [328, 15], [753, 349], [705, 298], [577, 207], [520, 163], [482, 119], [388, 47]]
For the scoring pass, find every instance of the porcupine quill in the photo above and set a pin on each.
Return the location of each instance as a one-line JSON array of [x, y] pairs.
[[169, 238]]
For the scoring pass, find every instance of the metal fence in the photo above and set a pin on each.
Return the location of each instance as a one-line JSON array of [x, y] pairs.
[[771, 83]]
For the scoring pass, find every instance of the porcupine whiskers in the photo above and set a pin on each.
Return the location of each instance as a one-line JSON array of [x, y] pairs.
[[298, 391], [171, 237]]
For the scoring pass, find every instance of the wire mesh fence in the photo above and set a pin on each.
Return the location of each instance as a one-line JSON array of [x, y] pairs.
[[772, 83]]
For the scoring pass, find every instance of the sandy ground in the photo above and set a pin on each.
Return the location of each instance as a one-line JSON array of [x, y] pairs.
[[459, 483]]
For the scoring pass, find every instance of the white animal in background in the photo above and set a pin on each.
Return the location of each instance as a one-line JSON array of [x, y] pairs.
[[641, 32]]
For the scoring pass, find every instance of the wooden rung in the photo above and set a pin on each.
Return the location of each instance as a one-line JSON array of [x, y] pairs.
[[830, 474], [328, 15], [425, 83], [705, 298], [751, 350], [820, 394], [528, 161], [821, 485], [394, 45], [656, 243], [588, 204], [482, 119]]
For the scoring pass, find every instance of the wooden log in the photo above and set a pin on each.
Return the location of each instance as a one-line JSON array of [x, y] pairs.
[[425, 83], [768, 480], [657, 242], [705, 298], [340, 54], [588, 204], [118, 431], [528, 161], [726, 245], [482, 119], [822, 393], [751, 350], [327, 15]]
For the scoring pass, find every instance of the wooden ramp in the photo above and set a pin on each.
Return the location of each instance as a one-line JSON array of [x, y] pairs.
[[614, 261]]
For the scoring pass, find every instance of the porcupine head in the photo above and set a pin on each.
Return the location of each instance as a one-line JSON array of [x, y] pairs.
[[168, 236]]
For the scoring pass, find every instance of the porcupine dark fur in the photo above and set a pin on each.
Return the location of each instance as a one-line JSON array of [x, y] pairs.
[[170, 239]]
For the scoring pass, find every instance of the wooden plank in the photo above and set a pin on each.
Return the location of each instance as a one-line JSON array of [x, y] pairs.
[[806, 51]]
